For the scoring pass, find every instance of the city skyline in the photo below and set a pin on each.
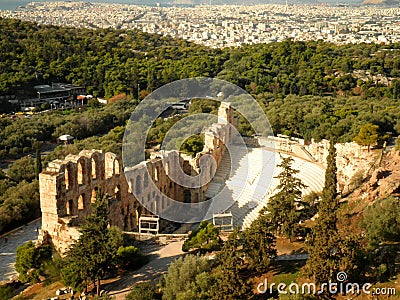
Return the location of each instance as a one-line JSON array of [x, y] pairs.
[[227, 25], [14, 4]]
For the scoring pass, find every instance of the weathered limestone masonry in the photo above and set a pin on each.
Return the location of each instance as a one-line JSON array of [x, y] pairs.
[[69, 186], [169, 165], [352, 160]]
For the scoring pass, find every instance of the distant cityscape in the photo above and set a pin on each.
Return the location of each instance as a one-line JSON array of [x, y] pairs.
[[227, 25]]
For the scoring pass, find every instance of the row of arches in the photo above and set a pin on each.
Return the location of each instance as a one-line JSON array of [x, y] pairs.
[[142, 180], [83, 202], [95, 172]]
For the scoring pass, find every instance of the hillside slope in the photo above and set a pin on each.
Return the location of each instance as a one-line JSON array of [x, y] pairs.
[[384, 182]]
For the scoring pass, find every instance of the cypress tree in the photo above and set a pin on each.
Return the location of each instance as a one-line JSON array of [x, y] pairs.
[[38, 162], [283, 207], [324, 255], [229, 280]]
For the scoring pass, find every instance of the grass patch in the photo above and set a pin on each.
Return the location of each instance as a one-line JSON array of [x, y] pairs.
[[287, 278]]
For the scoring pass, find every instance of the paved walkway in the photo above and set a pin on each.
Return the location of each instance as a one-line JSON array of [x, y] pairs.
[[159, 262], [8, 249]]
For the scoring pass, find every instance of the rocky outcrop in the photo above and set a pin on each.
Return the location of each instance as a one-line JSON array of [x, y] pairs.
[[384, 181]]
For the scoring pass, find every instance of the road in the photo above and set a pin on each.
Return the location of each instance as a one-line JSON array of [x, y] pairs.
[[8, 249]]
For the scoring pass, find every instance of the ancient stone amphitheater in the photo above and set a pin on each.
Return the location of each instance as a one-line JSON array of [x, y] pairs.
[[242, 177]]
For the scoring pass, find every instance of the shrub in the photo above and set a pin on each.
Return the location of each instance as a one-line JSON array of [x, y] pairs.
[[205, 238], [6, 291], [130, 257], [397, 143], [30, 261], [188, 278], [13, 152], [381, 221], [22, 169], [143, 291]]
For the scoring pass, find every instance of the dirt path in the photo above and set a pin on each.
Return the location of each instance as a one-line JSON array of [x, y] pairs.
[[159, 262]]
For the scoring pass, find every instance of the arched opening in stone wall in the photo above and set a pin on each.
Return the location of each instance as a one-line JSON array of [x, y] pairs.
[[116, 167], [67, 175], [81, 202], [126, 222], [137, 215], [117, 193], [156, 170], [187, 196], [80, 172], [94, 168], [145, 180], [94, 195], [166, 168], [70, 204], [156, 205], [138, 184]]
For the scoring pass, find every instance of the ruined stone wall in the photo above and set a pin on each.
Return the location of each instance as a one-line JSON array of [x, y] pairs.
[[352, 159], [69, 186]]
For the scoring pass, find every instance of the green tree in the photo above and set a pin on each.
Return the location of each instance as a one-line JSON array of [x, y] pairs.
[[20, 203], [38, 163], [204, 238], [283, 208], [328, 252], [22, 169], [30, 261], [229, 280], [193, 145], [259, 243], [368, 135], [381, 221], [323, 262], [94, 255], [143, 291], [185, 278]]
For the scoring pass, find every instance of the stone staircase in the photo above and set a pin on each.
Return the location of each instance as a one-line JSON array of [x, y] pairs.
[[220, 176]]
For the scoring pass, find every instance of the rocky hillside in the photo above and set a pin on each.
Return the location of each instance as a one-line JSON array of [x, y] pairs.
[[383, 182]]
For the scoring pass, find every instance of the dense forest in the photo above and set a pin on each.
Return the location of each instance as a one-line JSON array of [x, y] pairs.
[[109, 62], [350, 84], [307, 89]]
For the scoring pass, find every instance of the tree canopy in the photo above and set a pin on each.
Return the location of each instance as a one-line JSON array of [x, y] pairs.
[[283, 208], [381, 221], [204, 238], [368, 135], [94, 255]]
